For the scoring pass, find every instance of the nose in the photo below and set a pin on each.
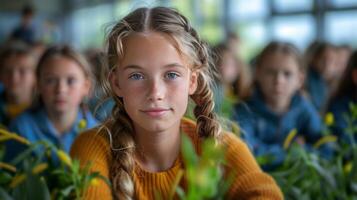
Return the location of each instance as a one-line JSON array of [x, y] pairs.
[[279, 78], [156, 90], [61, 86]]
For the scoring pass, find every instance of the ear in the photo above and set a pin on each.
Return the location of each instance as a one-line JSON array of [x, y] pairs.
[[87, 87], [114, 83], [193, 82], [301, 80]]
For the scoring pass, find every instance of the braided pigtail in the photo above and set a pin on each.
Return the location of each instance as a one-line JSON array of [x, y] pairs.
[[207, 122], [123, 154]]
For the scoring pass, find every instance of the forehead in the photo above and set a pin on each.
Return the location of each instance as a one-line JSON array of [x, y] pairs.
[[150, 48], [60, 64], [281, 60], [19, 60]]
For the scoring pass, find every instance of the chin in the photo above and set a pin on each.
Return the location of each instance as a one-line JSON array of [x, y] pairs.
[[155, 127]]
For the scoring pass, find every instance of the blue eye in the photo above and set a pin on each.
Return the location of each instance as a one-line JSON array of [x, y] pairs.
[[171, 75], [136, 76], [71, 81]]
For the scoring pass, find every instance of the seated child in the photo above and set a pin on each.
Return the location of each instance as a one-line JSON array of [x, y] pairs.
[[321, 74], [17, 74], [157, 62], [276, 106], [345, 95], [64, 79]]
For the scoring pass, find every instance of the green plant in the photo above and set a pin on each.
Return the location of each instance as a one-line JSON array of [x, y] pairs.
[[203, 173], [43, 172], [306, 175]]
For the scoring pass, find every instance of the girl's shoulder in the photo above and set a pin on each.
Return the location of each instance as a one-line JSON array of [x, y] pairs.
[[248, 180], [93, 145], [237, 152]]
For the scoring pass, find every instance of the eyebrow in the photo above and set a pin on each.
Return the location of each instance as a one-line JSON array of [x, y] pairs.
[[165, 66]]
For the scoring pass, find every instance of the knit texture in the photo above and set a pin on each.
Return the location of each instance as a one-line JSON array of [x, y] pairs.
[[250, 182]]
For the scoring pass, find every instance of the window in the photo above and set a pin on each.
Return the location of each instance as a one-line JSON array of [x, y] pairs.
[[340, 27], [253, 36], [343, 3], [293, 5], [299, 29], [240, 10], [211, 28], [89, 25]]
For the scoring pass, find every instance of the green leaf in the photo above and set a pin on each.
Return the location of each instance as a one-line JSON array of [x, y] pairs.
[[4, 195], [68, 190], [188, 151], [5, 178], [32, 188]]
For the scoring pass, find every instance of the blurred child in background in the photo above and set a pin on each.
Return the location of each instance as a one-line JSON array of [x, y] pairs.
[[64, 79], [25, 31], [345, 94], [343, 54], [276, 106], [233, 83], [321, 75], [99, 104], [17, 74]]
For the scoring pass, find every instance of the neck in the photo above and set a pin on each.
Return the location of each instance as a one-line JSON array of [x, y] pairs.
[[63, 121], [280, 106], [157, 151]]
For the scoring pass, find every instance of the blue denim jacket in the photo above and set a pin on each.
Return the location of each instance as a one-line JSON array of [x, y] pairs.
[[340, 107], [266, 131], [34, 125]]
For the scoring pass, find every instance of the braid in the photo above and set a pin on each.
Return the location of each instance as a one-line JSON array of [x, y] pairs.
[[123, 155], [207, 123]]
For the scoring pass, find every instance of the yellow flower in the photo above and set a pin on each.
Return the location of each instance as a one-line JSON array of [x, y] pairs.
[[347, 168], [94, 182], [7, 167], [39, 168], [290, 138], [329, 119], [6, 135], [19, 178], [82, 124], [4, 138], [324, 140], [63, 156]]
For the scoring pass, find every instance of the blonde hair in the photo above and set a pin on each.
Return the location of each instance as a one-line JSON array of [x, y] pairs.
[[187, 42]]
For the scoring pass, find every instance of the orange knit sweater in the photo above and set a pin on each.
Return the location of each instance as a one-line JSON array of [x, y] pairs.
[[249, 183]]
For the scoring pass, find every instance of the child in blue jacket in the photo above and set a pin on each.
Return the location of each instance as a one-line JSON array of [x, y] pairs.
[[276, 106], [64, 79], [345, 95], [321, 74], [17, 77]]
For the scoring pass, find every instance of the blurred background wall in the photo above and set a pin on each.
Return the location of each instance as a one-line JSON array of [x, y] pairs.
[[83, 23]]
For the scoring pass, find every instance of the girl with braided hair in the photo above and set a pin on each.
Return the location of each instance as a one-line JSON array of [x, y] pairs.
[[156, 62]]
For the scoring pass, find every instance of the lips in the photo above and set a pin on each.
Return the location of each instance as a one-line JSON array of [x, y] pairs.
[[156, 112], [60, 101]]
